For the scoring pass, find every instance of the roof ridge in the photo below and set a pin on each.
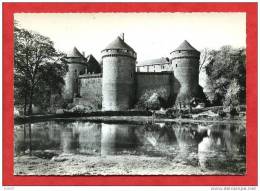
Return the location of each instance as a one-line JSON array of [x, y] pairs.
[[153, 61]]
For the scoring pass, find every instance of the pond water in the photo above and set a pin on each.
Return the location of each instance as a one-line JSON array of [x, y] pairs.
[[220, 147]]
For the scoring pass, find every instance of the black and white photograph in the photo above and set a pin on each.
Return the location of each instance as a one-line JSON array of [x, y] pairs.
[[130, 93]]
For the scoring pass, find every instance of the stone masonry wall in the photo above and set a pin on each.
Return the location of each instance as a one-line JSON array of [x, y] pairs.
[[153, 81], [91, 86], [90, 91]]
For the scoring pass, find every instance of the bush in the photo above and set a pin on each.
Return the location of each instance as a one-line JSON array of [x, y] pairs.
[[233, 112], [172, 113], [64, 105], [232, 94], [222, 113], [70, 106], [153, 99], [182, 100]]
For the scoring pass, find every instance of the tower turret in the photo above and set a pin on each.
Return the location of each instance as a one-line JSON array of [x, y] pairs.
[[76, 66], [185, 65], [118, 85]]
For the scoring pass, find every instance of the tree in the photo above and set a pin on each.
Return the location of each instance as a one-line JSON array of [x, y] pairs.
[[205, 58], [153, 99], [228, 64], [37, 67], [232, 94]]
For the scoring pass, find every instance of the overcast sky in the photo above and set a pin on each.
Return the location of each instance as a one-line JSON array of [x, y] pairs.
[[152, 35]]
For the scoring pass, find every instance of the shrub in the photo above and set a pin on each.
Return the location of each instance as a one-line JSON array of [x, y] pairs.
[[78, 109], [222, 113], [232, 94], [70, 106], [233, 112], [153, 99], [182, 100]]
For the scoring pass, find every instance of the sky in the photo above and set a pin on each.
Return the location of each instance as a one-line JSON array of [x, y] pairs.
[[151, 35]]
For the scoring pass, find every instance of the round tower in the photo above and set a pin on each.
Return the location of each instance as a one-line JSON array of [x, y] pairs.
[[118, 82], [76, 66], [185, 65]]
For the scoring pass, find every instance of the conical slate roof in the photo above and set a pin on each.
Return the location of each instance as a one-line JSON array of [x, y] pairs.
[[75, 53], [118, 43], [90, 59], [185, 45], [75, 57]]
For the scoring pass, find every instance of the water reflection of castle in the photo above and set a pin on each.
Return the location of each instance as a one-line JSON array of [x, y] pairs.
[[196, 145]]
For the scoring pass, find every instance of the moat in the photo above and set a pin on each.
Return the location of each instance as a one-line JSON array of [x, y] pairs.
[[84, 148]]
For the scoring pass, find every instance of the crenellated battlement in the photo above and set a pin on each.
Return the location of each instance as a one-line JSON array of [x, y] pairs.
[[118, 52]]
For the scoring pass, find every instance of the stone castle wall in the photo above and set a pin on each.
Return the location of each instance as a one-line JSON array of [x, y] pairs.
[[122, 86], [91, 86], [146, 81], [90, 90]]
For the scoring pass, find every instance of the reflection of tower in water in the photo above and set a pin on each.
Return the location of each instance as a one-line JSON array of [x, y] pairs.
[[188, 139], [67, 140], [117, 137], [88, 137], [81, 137]]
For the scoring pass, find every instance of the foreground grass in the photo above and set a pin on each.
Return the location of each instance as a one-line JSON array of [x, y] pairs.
[[68, 164]]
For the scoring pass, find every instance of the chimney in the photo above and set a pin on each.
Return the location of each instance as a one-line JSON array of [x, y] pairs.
[[122, 36], [83, 53]]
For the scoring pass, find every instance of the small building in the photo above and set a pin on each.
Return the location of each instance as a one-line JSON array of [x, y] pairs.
[[154, 65]]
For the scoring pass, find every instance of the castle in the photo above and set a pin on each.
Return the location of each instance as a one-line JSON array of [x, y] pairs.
[[120, 82]]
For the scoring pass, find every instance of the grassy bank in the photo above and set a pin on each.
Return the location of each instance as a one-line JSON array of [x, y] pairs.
[[137, 117], [136, 120], [69, 116], [67, 164], [145, 119]]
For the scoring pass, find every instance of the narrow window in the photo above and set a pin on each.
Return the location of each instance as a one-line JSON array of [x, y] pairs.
[[176, 65]]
